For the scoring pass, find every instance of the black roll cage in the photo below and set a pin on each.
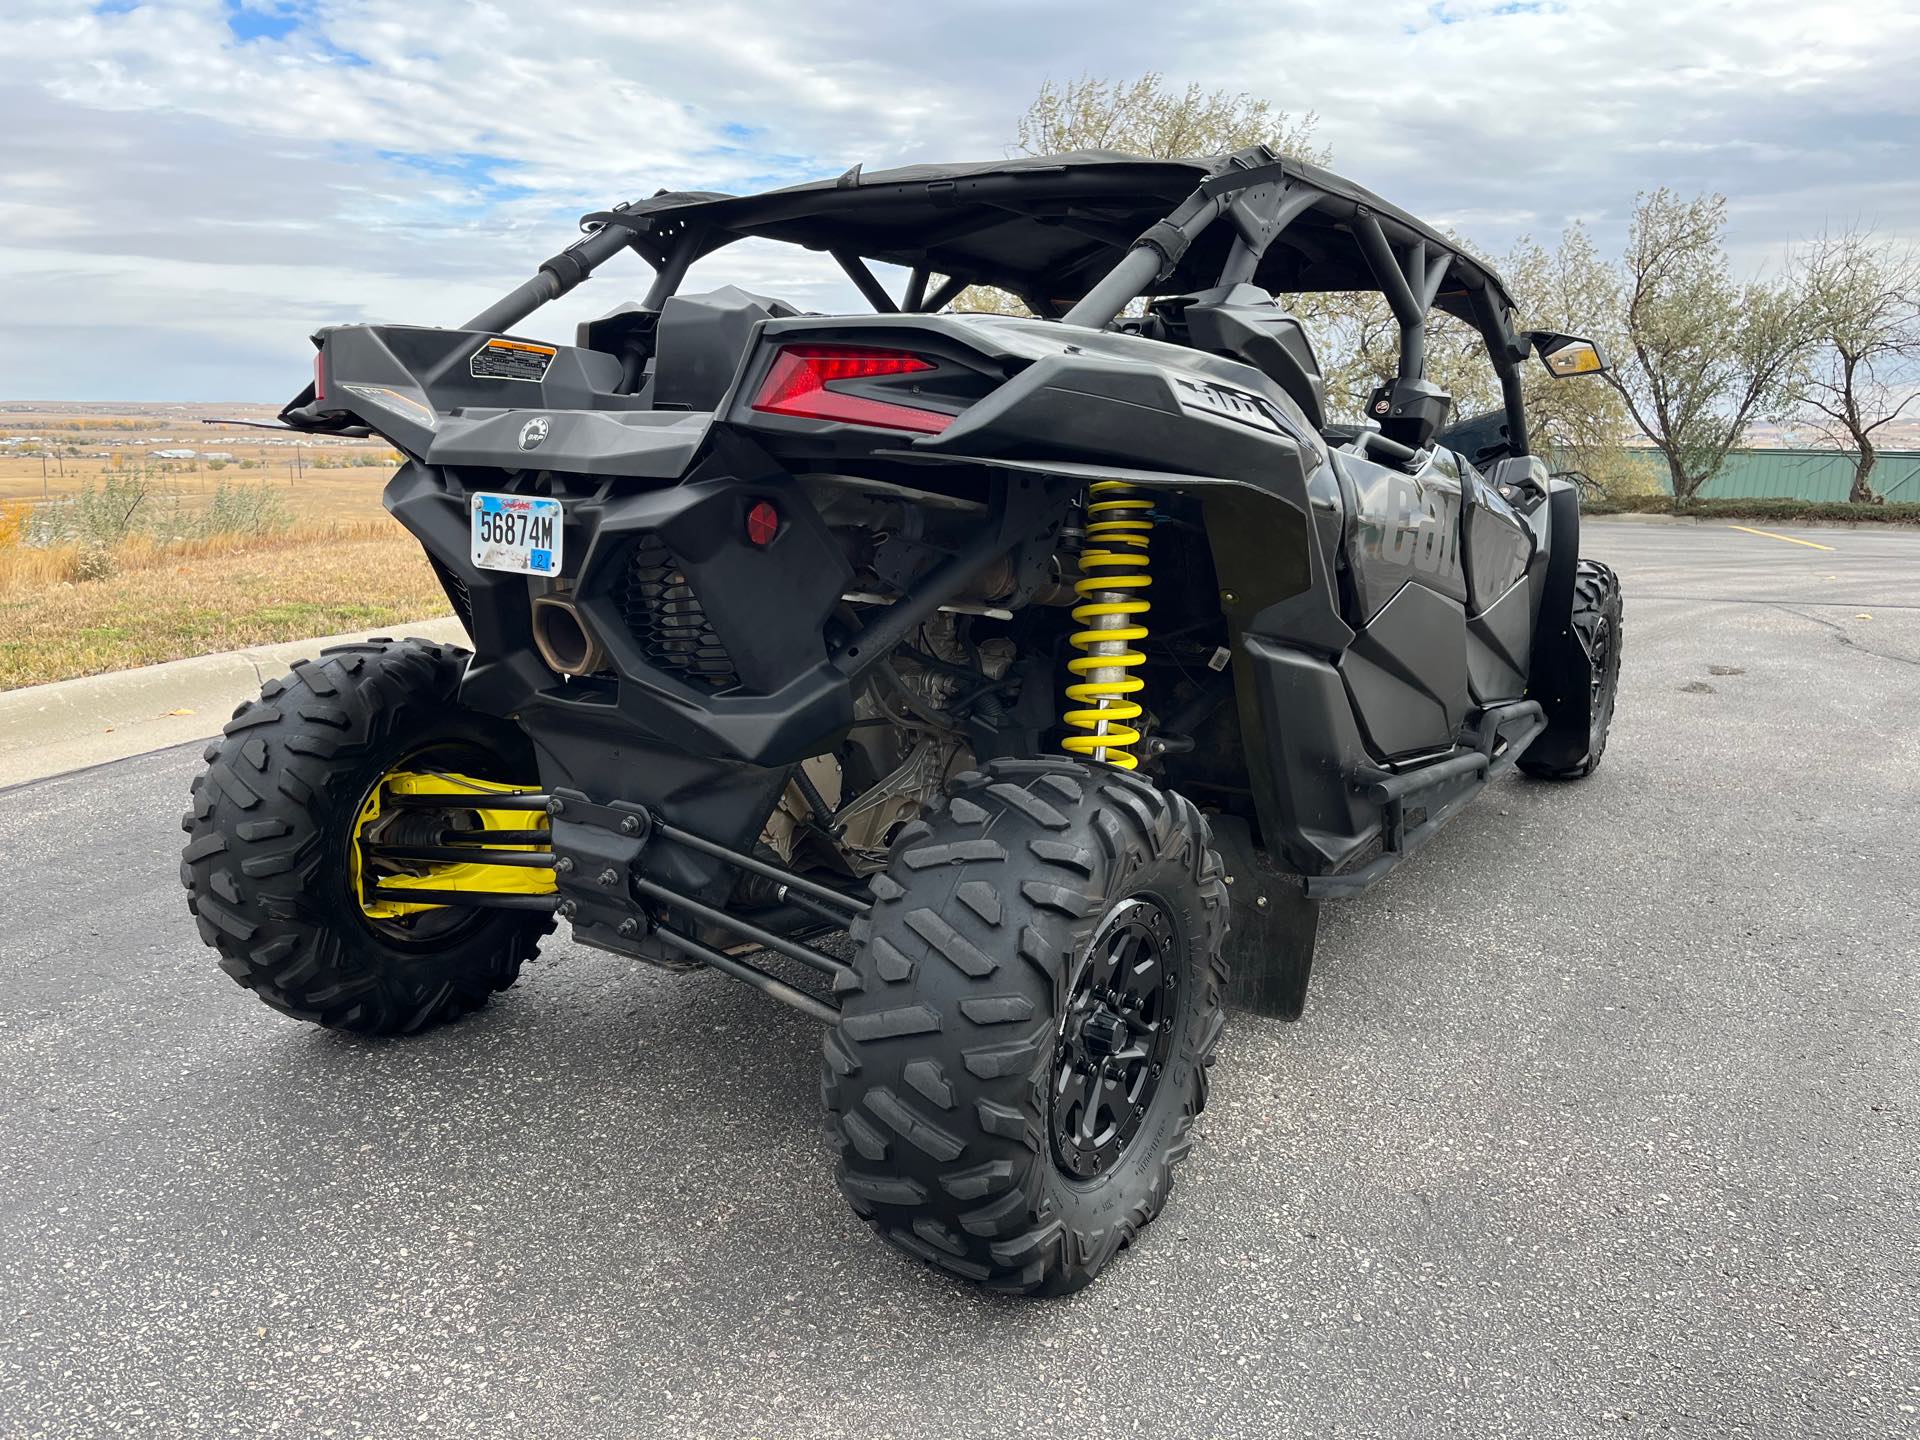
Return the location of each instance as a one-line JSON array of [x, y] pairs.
[[1259, 194]]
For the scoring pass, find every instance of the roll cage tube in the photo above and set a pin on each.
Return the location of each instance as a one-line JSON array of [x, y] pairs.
[[1261, 207], [1410, 284], [1508, 349], [1253, 192], [555, 277]]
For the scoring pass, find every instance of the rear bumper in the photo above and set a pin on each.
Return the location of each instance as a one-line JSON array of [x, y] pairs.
[[770, 700]]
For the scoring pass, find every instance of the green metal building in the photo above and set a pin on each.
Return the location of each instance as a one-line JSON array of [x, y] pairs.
[[1800, 475]]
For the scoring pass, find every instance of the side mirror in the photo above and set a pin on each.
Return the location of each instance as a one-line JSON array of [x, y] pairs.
[[1566, 356]]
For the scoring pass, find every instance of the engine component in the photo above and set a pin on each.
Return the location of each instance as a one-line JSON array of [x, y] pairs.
[[912, 754], [796, 810]]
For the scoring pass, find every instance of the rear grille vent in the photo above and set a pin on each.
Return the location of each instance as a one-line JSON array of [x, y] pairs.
[[666, 619], [456, 589]]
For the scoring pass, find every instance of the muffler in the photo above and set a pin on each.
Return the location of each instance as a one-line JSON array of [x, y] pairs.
[[564, 640]]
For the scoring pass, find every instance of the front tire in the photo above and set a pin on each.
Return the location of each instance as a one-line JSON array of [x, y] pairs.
[[268, 864], [1023, 1044]]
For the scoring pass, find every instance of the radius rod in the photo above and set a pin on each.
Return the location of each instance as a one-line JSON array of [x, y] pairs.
[[745, 929], [748, 975], [825, 894], [821, 901]]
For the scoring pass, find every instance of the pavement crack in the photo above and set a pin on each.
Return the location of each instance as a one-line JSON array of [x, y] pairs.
[[1841, 631]]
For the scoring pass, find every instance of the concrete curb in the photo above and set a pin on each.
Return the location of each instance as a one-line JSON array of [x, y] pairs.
[[51, 729]]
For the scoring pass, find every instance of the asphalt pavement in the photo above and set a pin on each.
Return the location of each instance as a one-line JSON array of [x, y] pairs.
[[1601, 1122]]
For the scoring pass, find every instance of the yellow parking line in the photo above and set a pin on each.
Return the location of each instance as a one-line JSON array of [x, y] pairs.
[[1810, 544]]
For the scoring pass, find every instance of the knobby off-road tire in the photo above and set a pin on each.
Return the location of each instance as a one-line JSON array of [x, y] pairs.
[[940, 1077], [1579, 716], [267, 862]]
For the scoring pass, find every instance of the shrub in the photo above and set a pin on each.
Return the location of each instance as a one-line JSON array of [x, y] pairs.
[[132, 504], [1781, 510], [245, 510], [99, 517], [94, 562]]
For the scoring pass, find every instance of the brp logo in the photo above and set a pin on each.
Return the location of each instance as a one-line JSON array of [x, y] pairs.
[[534, 431]]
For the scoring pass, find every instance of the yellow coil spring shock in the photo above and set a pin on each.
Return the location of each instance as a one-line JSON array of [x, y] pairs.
[[1114, 571]]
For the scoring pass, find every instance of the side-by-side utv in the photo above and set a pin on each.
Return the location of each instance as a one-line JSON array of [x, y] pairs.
[[1060, 664]]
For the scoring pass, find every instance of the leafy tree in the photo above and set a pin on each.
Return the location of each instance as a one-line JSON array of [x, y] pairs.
[[1580, 424], [1699, 356], [1145, 117], [1860, 375]]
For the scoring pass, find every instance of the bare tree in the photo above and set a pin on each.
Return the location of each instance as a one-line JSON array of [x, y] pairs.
[[1699, 355], [1864, 371]]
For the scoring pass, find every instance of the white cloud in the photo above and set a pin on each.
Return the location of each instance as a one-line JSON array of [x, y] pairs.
[[412, 158]]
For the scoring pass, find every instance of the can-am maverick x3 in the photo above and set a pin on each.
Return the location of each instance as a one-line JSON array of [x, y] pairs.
[[1063, 663]]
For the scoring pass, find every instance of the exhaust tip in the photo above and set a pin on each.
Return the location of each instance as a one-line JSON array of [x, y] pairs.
[[565, 642]]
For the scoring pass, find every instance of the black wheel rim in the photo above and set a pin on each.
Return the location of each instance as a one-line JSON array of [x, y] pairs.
[[1602, 669], [1115, 1036]]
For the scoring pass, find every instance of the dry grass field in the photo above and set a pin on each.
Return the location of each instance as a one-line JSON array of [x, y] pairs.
[[282, 589], [313, 553], [63, 448]]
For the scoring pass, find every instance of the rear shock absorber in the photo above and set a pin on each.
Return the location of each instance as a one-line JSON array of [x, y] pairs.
[[1113, 573]]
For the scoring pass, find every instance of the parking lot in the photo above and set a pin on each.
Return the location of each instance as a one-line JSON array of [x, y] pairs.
[[1601, 1121]]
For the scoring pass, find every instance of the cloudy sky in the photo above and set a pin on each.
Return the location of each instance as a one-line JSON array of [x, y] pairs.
[[188, 187]]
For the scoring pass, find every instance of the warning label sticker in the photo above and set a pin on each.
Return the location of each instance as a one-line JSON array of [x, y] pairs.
[[512, 360]]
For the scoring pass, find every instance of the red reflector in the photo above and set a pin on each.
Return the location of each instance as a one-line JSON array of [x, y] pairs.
[[319, 377], [797, 385], [763, 522]]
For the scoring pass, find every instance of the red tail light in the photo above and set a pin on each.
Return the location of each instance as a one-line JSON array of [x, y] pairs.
[[798, 382], [319, 377]]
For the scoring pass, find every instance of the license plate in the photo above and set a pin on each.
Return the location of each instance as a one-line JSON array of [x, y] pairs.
[[521, 533]]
